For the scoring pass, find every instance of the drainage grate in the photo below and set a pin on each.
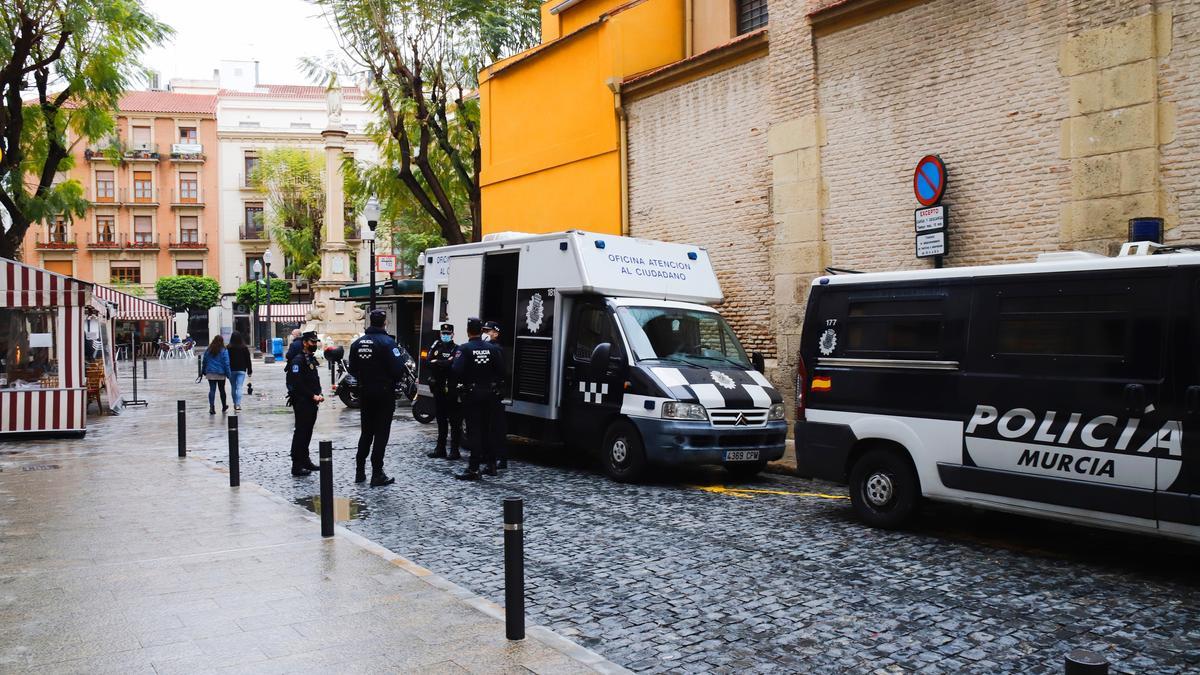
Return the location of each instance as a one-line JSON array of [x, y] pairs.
[[39, 467]]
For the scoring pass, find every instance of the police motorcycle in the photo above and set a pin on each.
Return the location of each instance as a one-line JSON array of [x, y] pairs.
[[346, 386]]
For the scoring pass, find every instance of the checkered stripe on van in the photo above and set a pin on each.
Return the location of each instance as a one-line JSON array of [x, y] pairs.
[[719, 389], [593, 392]]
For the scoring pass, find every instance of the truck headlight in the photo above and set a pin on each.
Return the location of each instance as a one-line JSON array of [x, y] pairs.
[[777, 413], [675, 410]]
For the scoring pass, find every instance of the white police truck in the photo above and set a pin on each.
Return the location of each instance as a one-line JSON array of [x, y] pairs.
[[611, 342], [1067, 388]]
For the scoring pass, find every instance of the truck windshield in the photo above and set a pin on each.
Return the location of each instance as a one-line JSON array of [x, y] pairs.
[[681, 334]]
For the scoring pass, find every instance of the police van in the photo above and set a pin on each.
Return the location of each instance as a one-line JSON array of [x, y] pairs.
[[1067, 388], [611, 342]]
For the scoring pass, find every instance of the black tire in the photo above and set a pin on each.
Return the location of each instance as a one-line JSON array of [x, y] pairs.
[[745, 470], [884, 489], [622, 454], [348, 397], [422, 409]]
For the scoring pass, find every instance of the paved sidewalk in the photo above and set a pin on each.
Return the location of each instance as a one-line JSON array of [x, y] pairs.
[[134, 561]]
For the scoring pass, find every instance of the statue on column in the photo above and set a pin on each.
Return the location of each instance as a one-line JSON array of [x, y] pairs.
[[333, 102]]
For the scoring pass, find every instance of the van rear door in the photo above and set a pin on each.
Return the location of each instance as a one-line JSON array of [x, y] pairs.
[[1179, 475], [464, 289]]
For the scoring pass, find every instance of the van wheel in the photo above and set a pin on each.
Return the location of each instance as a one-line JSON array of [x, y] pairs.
[[883, 489], [622, 455], [745, 470]]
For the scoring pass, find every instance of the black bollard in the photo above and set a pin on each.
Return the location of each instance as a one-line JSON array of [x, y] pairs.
[[235, 473], [181, 414], [514, 568], [1084, 662], [326, 462], [144, 375]]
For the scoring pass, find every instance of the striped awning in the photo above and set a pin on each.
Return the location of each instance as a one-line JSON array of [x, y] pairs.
[[133, 308], [292, 311], [26, 286]]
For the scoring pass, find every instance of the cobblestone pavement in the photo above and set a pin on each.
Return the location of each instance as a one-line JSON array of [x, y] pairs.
[[692, 573]]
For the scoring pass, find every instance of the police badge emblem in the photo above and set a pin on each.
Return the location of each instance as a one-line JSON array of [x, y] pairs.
[[828, 342], [723, 380]]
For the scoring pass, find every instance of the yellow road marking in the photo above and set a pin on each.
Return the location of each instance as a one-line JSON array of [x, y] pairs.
[[749, 493]]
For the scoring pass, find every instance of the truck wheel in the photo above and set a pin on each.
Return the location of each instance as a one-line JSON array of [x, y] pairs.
[[745, 470], [883, 489], [422, 410], [622, 455]]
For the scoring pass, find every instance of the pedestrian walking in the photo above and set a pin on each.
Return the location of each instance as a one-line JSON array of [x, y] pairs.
[[216, 370], [297, 347], [377, 364], [446, 406], [304, 395], [241, 366], [479, 369], [491, 332]]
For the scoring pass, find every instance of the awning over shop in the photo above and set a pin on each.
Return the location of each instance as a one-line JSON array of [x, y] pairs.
[[292, 311], [133, 308], [25, 286]]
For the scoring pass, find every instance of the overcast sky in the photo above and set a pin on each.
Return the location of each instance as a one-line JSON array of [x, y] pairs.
[[276, 32]]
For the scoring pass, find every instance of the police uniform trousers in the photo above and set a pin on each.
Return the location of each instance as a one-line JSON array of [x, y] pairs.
[[376, 425], [448, 412], [484, 415], [306, 417]]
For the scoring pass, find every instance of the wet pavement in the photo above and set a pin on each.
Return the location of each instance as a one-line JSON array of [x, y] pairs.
[[694, 573], [118, 557]]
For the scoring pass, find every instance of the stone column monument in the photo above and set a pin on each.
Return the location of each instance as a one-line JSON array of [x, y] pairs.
[[336, 321]]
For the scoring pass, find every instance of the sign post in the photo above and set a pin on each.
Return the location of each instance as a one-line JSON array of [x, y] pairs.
[[930, 221], [385, 263]]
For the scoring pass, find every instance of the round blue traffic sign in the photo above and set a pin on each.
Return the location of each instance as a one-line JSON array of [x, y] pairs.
[[929, 180]]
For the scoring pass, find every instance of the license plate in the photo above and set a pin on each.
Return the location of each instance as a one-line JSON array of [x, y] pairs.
[[741, 456]]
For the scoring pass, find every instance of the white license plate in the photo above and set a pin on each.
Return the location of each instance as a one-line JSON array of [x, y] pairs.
[[741, 456]]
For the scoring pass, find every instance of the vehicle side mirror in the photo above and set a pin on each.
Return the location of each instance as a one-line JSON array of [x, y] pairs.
[[759, 363], [601, 355]]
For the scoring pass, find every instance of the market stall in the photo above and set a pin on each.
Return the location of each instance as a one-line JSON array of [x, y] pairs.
[[42, 384], [149, 320]]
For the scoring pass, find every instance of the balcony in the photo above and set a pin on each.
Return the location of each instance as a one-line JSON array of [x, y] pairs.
[[55, 242], [103, 153], [253, 233], [188, 200], [187, 152], [109, 197], [103, 241], [245, 183], [188, 242], [141, 152], [140, 241], [141, 197]]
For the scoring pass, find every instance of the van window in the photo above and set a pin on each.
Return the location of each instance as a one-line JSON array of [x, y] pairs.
[[592, 327], [1063, 325], [899, 328]]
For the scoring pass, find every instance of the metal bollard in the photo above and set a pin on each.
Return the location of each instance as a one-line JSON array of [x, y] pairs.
[[181, 414], [514, 568], [144, 375], [235, 470], [1084, 662], [326, 462]]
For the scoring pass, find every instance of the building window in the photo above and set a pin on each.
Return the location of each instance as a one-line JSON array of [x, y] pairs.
[[251, 165], [301, 125], [245, 124], [58, 231], [141, 138], [143, 186], [253, 228], [143, 229], [189, 187], [123, 272], [751, 15], [189, 229], [250, 267], [189, 268], [187, 135], [106, 229], [106, 187]]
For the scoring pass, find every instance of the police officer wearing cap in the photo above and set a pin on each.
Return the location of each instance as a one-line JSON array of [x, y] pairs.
[[499, 429], [304, 395], [478, 367], [378, 364], [445, 393]]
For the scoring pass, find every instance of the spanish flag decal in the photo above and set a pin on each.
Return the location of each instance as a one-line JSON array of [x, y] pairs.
[[821, 384]]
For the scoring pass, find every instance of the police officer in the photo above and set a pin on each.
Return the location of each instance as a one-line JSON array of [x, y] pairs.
[[478, 367], [445, 393], [378, 364], [491, 333], [304, 395]]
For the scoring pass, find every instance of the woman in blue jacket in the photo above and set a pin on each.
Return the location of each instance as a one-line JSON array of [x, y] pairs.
[[216, 371]]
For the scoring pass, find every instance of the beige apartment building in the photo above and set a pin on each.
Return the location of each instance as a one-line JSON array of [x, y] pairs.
[[153, 192]]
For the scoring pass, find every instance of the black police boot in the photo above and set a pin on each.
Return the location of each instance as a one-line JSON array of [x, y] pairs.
[[438, 452], [490, 469], [467, 475], [381, 479], [300, 471], [454, 454], [360, 472], [308, 464]]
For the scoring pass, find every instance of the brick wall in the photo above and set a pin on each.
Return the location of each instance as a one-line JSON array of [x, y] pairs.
[[1179, 88], [698, 174]]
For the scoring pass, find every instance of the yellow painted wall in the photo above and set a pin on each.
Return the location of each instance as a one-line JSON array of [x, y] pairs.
[[549, 130]]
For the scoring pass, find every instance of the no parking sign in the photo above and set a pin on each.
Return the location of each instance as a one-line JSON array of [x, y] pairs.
[[929, 183]]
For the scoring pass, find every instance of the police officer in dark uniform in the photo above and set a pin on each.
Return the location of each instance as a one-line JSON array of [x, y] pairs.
[[478, 367], [445, 394], [304, 395], [499, 429], [378, 364]]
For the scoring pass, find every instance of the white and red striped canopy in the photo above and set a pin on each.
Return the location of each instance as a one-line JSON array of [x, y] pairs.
[[292, 311], [26, 286], [133, 308]]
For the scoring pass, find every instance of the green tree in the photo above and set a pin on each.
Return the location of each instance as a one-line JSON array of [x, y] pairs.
[[75, 57], [251, 293], [187, 293], [292, 181], [423, 57]]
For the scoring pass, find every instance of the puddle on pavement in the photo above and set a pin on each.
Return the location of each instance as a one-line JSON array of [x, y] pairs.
[[344, 508]]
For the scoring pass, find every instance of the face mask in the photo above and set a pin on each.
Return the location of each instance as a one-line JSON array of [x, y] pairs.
[[486, 337], [311, 349], [446, 338]]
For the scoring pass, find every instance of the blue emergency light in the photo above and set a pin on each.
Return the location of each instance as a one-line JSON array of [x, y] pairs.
[[692, 255], [599, 244]]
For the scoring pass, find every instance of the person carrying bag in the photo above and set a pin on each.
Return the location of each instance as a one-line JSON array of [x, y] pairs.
[[215, 366]]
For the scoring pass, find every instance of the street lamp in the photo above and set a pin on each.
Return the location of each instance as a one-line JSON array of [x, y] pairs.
[[256, 269], [371, 213], [269, 357]]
